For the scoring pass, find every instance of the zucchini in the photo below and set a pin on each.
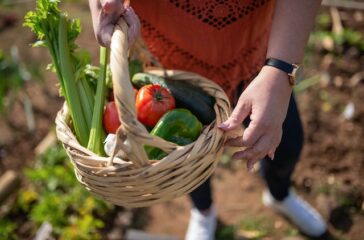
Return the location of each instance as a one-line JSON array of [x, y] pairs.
[[186, 95]]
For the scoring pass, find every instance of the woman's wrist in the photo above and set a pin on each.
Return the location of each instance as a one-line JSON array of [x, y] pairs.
[[276, 77]]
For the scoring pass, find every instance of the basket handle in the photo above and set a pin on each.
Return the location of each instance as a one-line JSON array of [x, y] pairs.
[[124, 98], [131, 135]]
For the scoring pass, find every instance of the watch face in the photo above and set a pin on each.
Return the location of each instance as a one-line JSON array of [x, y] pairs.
[[298, 74]]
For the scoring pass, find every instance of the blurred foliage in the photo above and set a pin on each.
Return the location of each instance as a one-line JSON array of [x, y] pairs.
[[306, 83], [16, 3], [54, 195], [251, 227], [348, 199], [7, 229], [226, 233], [340, 44], [332, 41], [255, 226], [324, 38], [13, 76]]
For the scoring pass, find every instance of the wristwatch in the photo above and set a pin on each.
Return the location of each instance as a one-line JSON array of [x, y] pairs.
[[294, 71]]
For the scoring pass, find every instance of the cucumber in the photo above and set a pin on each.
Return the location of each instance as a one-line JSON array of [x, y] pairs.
[[186, 95], [141, 79]]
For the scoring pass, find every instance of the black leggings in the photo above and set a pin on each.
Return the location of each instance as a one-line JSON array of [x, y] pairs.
[[277, 173]]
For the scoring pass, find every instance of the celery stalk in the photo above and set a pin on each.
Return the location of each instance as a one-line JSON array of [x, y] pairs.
[[86, 103], [97, 133], [69, 82], [90, 92]]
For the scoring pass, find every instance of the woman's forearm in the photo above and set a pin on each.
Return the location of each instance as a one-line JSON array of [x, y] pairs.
[[292, 23]]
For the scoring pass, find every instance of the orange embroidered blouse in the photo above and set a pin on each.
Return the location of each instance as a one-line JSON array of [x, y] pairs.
[[223, 40]]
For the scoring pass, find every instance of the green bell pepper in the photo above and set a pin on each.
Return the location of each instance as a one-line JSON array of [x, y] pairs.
[[179, 126]]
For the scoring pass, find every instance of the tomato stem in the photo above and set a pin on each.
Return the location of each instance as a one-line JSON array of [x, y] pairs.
[[157, 93]]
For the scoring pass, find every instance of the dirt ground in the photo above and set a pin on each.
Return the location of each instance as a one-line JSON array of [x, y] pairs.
[[329, 174]]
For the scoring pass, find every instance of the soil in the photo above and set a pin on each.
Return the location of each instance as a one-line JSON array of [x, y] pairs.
[[329, 174]]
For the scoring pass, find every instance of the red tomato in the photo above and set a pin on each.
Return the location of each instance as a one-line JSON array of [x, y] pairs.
[[111, 118], [152, 102]]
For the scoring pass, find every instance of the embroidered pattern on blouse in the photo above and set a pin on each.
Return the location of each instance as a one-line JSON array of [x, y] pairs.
[[218, 13], [175, 57]]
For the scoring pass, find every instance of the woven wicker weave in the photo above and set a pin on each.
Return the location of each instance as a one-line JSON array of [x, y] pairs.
[[133, 180]]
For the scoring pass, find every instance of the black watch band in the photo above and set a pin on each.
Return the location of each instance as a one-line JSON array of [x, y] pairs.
[[282, 65]]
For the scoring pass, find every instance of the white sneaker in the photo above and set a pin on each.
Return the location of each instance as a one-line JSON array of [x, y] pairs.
[[202, 226], [307, 219]]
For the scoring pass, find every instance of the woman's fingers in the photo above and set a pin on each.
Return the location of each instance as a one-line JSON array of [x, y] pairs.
[[265, 146], [109, 13], [253, 133], [104, 34], [259, 150], [240, 112], [134, 24], [254, 154], [276, 142], [250, 136], [108, 21]]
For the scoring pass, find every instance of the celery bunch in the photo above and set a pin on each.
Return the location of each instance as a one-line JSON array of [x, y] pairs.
[[58, 33]]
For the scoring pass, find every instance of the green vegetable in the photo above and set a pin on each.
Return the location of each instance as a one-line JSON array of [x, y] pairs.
[[97, 134], [186, 95], [71, 90], [141, 79], [58, 33], [179, 126]]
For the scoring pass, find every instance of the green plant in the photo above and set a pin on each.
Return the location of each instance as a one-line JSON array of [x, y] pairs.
[[331, 41], [348, 37], [258, 227], [54, 195], [7, 229], [226, 233], [323, 21], [291, 232], [10, 78], [13, 76]]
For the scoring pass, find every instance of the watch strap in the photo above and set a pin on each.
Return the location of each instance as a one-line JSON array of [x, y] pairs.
[[282, 65]]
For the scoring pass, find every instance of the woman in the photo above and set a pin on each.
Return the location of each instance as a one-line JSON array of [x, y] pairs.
[[260, 42]]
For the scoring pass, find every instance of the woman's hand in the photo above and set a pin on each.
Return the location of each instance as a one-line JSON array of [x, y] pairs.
[[266, 101], [106, 13]]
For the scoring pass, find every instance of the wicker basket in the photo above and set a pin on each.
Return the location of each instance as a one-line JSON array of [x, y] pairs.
[[133, 180]]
